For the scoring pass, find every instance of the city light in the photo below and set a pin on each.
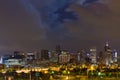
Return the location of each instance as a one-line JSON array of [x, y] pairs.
[[69, 66]]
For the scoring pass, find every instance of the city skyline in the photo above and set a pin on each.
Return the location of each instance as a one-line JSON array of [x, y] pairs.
[[58, 48], [42, 24]]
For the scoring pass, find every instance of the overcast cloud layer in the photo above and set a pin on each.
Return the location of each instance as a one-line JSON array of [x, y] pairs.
[[37, 24]]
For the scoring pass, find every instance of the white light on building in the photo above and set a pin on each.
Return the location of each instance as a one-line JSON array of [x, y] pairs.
[[93, 55]]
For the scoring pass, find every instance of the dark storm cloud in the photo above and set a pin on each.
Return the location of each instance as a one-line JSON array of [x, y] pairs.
[[55, 14], [36, 24], [96, 29]]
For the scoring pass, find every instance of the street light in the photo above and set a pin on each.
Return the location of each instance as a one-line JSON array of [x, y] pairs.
[[99, 75], [68, 72], [30, 75], [67, 78]]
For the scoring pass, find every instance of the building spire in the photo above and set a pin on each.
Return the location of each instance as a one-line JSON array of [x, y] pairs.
[[107, 44]]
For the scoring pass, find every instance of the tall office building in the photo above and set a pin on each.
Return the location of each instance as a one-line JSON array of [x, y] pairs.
[[93, 53], [81, 56], [115, 56], [30, 58], [108, 54], [53, 56], [64, 57], [107, 47], [58, 49], [100, 57], [44, 54]]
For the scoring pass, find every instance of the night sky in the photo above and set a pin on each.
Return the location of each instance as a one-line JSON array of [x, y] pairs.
[[74, 24]]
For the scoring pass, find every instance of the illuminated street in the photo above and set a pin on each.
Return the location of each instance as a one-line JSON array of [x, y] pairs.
[[54, 74]]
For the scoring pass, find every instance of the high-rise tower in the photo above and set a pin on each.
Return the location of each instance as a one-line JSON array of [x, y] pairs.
[[108, 54], [93, 53], [107, 47], [115, 55], [58, 49]]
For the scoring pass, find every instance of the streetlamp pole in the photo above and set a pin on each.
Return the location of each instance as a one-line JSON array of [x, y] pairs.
[[30, 74]]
